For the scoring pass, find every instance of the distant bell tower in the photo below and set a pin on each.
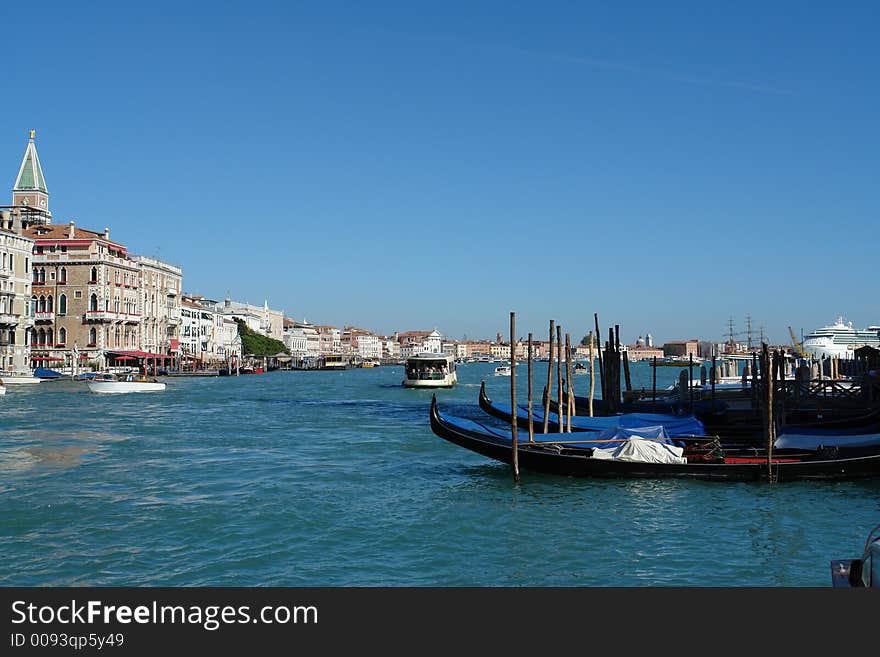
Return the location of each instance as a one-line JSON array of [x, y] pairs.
[[30, 192]]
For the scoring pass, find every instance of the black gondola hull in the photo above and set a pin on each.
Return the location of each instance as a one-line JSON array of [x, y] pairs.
[[576, 462]]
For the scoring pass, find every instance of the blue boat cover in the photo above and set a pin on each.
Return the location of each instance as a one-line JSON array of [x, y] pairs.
[[44, 373], [801, 440], [601, 439], [675, 425]]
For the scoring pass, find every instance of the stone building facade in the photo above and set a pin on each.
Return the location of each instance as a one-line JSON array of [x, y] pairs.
[[15, 293], [85, 295], [160, 293]]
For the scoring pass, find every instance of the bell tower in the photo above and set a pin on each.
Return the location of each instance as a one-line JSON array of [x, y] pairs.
[[30, 192]]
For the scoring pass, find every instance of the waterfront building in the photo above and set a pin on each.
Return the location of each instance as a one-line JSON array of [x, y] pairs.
[[329, 339], [197, 331], [390, 348], [682, 348], [16, 250], [369, 346], [414, 342], [302, 339], [638, 352], [228, 347], [260, 319], [85, 295], [160, 287]]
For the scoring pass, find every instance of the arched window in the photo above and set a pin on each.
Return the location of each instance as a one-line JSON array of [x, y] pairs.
[[33, 305], [41, 337], [93, 302], [50, 336], [41, 307], [62, 335], [93, 336], [62, 304], [62, 276], [42, 274], [94, 275], [50, 303]]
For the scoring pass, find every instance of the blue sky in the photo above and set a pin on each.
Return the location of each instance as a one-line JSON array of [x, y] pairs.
[[410, 165]]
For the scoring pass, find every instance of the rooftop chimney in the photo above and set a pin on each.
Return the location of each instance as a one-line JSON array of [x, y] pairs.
[[5, 221], [106, 233], [71, 233]]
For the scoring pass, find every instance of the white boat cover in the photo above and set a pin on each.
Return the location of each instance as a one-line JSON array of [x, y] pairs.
[[642, 445]]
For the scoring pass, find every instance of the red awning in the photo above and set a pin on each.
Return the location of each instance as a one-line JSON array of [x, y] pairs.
[[119, 355]]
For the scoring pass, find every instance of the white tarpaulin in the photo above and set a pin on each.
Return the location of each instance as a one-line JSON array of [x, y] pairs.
[[641, 450]]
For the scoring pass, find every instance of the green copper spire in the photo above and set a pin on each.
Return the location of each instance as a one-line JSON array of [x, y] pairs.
[[30, 175]]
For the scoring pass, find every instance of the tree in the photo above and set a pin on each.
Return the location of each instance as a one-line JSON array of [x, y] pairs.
[[257, 344]]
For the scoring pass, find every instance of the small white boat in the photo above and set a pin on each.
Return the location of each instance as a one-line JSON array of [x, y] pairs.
[[113, 383], [502, 370], [15, 378], [2, 388]]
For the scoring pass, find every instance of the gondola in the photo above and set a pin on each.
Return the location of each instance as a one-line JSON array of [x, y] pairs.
[[573, 459], [677, 424], [746, 425]]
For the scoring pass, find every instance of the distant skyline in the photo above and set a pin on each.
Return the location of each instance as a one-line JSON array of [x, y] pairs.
[[408, 166]]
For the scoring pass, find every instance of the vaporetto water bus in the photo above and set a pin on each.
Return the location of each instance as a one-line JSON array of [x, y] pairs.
[[429, 370]]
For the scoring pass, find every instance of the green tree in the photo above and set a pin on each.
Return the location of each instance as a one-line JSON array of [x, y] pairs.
[[256, 344]]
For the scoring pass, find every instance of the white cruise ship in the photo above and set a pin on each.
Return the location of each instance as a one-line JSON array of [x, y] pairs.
[[840, 340]]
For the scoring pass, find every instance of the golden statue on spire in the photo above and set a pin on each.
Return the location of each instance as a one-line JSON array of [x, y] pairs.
[[33, 132]]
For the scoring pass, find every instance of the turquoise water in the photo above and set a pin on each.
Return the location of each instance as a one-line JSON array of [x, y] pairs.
[[334, 478]]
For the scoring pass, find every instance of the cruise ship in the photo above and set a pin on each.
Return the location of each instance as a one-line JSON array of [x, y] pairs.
[[840, 340]]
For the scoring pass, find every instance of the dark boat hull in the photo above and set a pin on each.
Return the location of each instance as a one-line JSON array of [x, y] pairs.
[[572, 461]]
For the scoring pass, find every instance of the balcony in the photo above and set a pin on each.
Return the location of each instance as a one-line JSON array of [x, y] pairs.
[[171, 291], [45, 316], [8, 319], [6, 273], [104, 316]]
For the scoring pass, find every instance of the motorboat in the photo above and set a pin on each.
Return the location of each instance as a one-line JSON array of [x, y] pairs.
[[430, 370], [120, 383], [580, 368], [502, 370], [16, 378]]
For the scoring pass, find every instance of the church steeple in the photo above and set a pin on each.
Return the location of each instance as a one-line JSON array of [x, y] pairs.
[[30, 186]]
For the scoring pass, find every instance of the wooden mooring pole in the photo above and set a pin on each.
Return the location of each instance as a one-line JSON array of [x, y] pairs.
[[560, 417], [570, 388], [531, 421], [769, 429], [592, 376], [548, 390], [654, 387], [513, 427], [599, 350]]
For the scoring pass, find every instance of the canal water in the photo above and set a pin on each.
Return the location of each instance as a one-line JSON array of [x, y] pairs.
[[335, 478]]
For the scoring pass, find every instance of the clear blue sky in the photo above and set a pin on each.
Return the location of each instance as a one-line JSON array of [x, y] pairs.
[[404, 165]]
